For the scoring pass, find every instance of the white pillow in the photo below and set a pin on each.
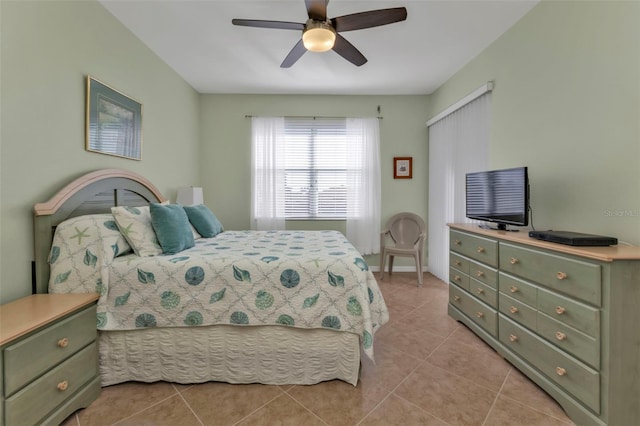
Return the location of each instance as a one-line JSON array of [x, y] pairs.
[[135, 225]]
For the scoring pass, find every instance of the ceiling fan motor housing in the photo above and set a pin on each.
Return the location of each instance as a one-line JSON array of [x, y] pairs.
[[318, 36]]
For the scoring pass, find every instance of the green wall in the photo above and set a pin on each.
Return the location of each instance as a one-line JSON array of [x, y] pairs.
[[47, 49], [567, 104], [226, 150]]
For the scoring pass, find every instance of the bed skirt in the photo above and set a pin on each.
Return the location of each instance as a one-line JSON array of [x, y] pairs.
[[255, 354]]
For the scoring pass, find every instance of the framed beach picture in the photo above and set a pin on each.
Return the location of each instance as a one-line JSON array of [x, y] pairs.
[[402, 167], [113, 123]]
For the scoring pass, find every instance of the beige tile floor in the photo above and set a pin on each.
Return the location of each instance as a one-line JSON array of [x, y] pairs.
[[430, 370]]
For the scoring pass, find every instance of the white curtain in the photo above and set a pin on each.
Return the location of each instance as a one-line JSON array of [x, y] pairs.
[[458, 144], [267, 173], [363, 184]]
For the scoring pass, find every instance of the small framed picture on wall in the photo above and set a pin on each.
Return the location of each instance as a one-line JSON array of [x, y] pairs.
[[402, 167]]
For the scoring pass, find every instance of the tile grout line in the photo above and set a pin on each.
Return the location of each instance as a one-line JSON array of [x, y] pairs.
[[187, 404], [495, 400], [391, 392], [148, 407], [305, 407]]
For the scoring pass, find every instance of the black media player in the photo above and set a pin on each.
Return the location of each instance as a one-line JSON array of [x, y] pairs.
[[573, 238]]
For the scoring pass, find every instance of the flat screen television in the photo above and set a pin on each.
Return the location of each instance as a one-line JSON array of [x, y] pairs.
[[498, 196]]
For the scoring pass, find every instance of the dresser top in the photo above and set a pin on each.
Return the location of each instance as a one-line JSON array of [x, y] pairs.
[[605, 254], [29, 313]]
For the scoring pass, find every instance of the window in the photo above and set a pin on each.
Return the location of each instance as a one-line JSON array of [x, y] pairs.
[[315, 168], [322, 168]]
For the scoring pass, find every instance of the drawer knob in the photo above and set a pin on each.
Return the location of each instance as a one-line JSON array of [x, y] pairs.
[[480, 291], [479, 314], [458, 263], [513, 260], [480, 250], [560, 335], [456, 277], [63, 343], [457, 242], [456, 298], [62, 386], [513, 289], [561, 275], [479, 274], [560, 310], [561, 371], [513, 309], [513, 337]]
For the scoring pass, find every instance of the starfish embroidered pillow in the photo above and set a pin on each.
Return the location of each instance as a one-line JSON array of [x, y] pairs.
[[135, 224]]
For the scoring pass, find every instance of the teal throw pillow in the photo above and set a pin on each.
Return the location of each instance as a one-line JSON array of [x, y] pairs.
[[171, 225], [203, 219]]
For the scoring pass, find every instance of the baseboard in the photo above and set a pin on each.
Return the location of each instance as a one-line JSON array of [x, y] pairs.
[[397, 269]]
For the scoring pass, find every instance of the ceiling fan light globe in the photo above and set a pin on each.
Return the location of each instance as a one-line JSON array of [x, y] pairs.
[[319, 39]]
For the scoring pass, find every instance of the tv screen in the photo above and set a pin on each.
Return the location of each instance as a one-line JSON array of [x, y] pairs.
[[499, 196]]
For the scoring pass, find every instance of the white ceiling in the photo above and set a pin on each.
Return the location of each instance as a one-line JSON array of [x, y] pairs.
[[196, 39]]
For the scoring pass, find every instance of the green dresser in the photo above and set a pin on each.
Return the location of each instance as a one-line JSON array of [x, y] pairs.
[[48, 358], [567, 317]]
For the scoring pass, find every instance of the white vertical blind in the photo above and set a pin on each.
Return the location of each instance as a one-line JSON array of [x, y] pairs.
[[458, 144]]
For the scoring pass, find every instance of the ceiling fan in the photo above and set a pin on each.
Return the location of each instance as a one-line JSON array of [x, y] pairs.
[[320, 34]]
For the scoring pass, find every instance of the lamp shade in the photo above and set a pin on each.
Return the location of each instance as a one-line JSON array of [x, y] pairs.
[[190, 196]]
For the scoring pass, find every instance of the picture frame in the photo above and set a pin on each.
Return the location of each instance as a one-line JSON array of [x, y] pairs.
[[402, 167], [113, 122]]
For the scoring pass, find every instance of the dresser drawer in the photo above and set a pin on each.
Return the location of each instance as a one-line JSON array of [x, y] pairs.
[[458, 278], [32, 403], [483, 273], [518, 289], [569, 373], [518, 311], [478, 248], [459, 262], [578, 344], [484, 292], [478, 312], [572, 277], [36, 354], [575, 314]]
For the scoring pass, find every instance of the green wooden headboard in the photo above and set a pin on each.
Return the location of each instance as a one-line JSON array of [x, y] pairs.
[[95, 192]]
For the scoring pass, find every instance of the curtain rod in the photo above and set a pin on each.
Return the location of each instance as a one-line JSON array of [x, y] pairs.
[[379, 117]]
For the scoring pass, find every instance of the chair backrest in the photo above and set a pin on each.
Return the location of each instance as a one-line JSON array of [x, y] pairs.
[[405, 229]]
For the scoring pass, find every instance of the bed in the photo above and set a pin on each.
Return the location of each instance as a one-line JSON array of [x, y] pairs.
[[279, 307]]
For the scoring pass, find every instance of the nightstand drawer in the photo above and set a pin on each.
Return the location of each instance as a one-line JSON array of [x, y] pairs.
[[569, 339], [458, 278], [478, 248], [569, 373], [518, 289], [481, 314], [572, 277], [31, 404], [575, 314], [36, 354], [518, 311], [459, 262]]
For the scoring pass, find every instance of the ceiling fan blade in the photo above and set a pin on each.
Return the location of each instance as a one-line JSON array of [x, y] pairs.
[[268, 24], [317, 9], [372, 18], [348, 51], [293, 56]]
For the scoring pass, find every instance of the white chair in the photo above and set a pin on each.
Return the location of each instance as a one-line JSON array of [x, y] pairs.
[[408, 232]]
